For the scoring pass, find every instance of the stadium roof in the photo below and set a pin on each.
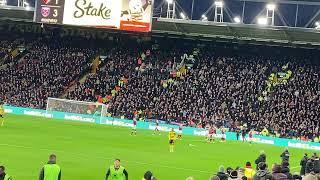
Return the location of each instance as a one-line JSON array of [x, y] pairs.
[[210, 31], [302, 2]]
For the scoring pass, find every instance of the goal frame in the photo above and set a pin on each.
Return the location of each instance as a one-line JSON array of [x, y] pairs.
[[103, 109]]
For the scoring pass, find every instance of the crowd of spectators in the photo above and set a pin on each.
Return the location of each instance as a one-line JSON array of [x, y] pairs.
[[224, 90], [7, 46], [309, 170], [45, 71]]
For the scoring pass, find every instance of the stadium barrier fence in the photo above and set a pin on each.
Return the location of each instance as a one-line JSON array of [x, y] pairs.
[[283, 142]]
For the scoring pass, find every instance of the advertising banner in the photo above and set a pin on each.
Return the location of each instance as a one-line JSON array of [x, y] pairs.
[[283, 142], [130, 15]]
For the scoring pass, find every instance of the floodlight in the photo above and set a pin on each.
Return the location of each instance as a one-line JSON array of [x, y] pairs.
[[3, 2], [28, 8], [218, 3], [317, 23], [169, 1], [182, 16], [262, 21], [203, 16], [237, 19], [271, 7]]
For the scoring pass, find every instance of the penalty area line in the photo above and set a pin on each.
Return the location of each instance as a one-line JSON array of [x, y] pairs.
[[103, 157]]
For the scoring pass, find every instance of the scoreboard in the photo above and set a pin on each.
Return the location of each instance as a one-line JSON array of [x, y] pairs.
[[130, 15]]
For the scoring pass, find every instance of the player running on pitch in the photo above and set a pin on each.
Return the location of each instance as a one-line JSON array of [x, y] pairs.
[[134, 128], [172, 138], [157, 129], [2, 114]]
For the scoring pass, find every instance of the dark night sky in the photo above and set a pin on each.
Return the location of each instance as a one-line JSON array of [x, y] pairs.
[[234, 8]]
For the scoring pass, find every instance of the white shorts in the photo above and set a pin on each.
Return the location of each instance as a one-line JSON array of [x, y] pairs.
[[157, 128], [134, 127], [179, 132]]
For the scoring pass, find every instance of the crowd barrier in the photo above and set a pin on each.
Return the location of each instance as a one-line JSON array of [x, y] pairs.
[[163, 127]]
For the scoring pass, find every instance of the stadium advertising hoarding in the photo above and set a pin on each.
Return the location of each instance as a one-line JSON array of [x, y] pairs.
[[130, 15], [165, 127]]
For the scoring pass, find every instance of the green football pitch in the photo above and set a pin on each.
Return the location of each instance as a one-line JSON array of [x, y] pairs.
[[85, 150]]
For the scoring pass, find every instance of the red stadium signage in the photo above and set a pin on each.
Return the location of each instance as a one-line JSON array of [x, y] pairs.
[[129, 15]]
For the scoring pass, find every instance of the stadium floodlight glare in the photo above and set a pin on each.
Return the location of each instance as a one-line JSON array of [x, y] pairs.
[[183, 16], [237, 19], [204, 18], [3, 2], [271, 7], [317, 25], [169, 1], [262, 21], [218, 3]]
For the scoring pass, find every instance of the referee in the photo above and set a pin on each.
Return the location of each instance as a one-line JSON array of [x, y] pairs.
[[117, 172], [51, 171]]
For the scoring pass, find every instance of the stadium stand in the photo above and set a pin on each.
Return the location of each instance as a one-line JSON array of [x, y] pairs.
[[45, 71], [278, 93]]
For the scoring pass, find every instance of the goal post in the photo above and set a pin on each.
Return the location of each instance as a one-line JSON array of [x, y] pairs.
[[94, 109]]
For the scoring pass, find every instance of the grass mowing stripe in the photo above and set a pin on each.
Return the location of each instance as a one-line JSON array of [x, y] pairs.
[[104, 157]]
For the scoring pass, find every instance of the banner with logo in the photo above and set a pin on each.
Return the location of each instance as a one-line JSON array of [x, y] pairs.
[[283, 142], [130, 15]]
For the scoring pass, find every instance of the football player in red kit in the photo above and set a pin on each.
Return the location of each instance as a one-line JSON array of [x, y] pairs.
[[134, 128]]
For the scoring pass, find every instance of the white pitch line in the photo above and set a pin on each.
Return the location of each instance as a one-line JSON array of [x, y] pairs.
[[100, 157]]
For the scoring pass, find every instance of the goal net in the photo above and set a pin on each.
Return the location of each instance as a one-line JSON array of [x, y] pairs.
[[94, 109]]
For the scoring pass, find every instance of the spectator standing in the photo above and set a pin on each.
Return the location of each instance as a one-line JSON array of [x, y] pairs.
[[262, 158], [51, 171], [262, 173], [117, 172], [303, 164], [285, 169], [285, 155], [3, 174], [221, 173], [249, 171], [277, 173]]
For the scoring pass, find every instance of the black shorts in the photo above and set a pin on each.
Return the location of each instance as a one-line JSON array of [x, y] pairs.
[[171, 141]]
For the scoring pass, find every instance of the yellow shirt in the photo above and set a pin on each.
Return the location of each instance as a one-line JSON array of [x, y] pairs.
[[249, 173], [1, 110], [172, 135]]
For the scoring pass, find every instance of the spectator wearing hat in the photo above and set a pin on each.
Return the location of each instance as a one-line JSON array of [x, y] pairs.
[[148, 176], [233, 175], [303, 164], [262, 158], [262, 173], [285, 155], [221, 173]]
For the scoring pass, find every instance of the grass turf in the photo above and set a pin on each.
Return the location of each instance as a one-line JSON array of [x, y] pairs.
[[84, 151]]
